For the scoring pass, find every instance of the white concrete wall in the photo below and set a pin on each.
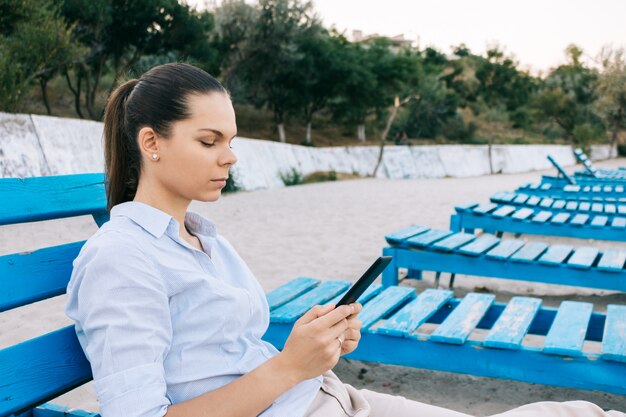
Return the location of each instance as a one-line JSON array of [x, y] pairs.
[[41, 145]]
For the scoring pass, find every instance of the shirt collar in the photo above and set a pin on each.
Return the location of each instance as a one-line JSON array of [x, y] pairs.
[[156, 221]]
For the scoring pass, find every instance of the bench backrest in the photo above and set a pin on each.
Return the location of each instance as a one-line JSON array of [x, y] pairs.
[[42, 368], [567, 178]]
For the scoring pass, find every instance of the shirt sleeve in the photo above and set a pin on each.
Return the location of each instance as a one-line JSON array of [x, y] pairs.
[[120, 304]]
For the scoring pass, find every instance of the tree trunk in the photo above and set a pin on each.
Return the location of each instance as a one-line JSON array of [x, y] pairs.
[[75, 91], [361, 132], [489, 149], [281, 132], [307, 138], [383, 137], [43, 83], [613, 141]]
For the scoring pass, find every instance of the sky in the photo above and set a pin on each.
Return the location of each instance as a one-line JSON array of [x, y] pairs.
[[534, 32]]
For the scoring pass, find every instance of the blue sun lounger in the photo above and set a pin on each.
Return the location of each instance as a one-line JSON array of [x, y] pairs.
[[499, 218], [593, 172], [419, 248], [609, 206], [37, 370], [568, 191], [580, 179], [474, 334]]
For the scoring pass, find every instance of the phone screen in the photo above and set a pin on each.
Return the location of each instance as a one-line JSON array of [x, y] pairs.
[[365, 281]]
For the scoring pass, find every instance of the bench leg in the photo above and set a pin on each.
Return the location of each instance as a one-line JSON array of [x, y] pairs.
[[414, 274], [437, 276], [455, 223], [451, 285], [390, 274]]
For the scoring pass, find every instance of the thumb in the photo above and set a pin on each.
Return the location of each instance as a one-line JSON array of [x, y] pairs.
[[315, 312]]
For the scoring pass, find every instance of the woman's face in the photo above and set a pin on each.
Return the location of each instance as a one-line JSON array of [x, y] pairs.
[[195, 159]]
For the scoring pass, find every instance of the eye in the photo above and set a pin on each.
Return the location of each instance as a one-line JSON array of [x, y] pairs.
[[208, 145]]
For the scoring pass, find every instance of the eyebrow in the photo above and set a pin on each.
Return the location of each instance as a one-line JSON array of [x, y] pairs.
[[217, 132]]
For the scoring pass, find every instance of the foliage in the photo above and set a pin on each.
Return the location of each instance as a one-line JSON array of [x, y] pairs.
[[292, 177]]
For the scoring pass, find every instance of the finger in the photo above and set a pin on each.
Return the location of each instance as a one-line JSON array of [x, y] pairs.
[[352, 334], [337, 330], [335, 316], [355, 323], [314, 313]]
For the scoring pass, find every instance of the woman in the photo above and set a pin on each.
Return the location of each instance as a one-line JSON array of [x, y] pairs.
[[168, 314]]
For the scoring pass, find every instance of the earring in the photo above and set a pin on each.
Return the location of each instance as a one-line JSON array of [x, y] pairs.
[[155, 156]]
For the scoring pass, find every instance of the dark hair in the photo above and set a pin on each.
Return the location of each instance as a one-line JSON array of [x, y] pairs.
[[157, 99]]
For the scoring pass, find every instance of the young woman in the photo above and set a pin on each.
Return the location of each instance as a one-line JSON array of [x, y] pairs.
[[168, 314]]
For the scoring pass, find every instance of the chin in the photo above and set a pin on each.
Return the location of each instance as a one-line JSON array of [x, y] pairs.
[[210, 197]]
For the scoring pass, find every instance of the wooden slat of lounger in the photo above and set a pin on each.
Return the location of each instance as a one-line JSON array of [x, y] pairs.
[[533, 201], [571, 205], [546, 202], [415, 313], [53, 197], [621, 209], [382, 304], [400, 235], [520, 198], [428, 238], [614, 339], [612, 260], [560, 218], [513, 324], [545, 187], [529, 252], [618, 223], [610, 209], [583, 257], [571, 188], [579, 219], [541, 217], [461, 322], [584, 206], [597, 207], [619, 189], [290, 290], [505, 249], [322, 293], [586, 189], [503, 211], [452, 242], [503, 196], [555, 254], [596, 188], [559, 204], [465, 206], [480, 245], [567, 334], [599, 221], [607, 189], [522, 213], [485, 208]]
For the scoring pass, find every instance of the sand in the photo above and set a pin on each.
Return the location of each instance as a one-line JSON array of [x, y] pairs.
[[333, 231]]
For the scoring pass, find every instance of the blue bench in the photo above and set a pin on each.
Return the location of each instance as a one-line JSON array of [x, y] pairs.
[[473, 335], [594, 172], [582, 180], [595, 206], [570, 191], [497, 218], [419, 248], [589, 176]]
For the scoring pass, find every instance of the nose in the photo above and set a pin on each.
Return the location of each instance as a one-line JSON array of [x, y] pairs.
[[228, 157]]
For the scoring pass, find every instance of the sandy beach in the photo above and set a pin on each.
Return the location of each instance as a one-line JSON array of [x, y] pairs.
[[335, 230]]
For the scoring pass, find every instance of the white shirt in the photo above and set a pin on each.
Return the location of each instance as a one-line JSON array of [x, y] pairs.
[[162, 322]]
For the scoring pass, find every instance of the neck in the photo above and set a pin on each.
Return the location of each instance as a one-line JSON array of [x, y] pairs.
[[156, 197]]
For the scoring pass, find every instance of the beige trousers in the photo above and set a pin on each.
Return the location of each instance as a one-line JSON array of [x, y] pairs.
[[336, 399]]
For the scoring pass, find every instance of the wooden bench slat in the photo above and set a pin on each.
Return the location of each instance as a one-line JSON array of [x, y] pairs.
[[33, 276], [529, 252], [545, 187], [584, 206], [612, 260], [610, 208], [532, 201], [541, 217], [579, 219], [415, 313], [463, 320], [385, 302], [505, 249], [583, 257], [597, 207], [599, 221], [503, 211], [546, 202], [64, 196], [560, 218], [618, 222], [454, 241], [520, 198], [289, 312], [425, 239], [41, 369], [559, 204], [480, 245], [555, 254], [465, 206], [513, 324], [485, 208], [290, 290], [567, 334], [405, 233], [614, 339], [522, 213], [571, 205]]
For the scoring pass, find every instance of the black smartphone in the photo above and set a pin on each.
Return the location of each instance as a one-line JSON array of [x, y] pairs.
[[365, 281]]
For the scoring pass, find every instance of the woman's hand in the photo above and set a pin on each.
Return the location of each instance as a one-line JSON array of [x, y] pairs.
[[318, 339], [352, 335]]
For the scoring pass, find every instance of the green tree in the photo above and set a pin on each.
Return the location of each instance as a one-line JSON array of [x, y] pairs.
[[611, 104]]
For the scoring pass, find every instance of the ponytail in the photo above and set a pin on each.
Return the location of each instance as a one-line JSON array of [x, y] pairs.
[[157, 99], [121, 153]]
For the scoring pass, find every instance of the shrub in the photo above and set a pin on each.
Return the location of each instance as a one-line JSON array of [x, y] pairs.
[[321, 176], [231, 184], [292, 177]]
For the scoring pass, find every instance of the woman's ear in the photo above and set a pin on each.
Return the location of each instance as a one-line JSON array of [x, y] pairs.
[[149, 143]]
